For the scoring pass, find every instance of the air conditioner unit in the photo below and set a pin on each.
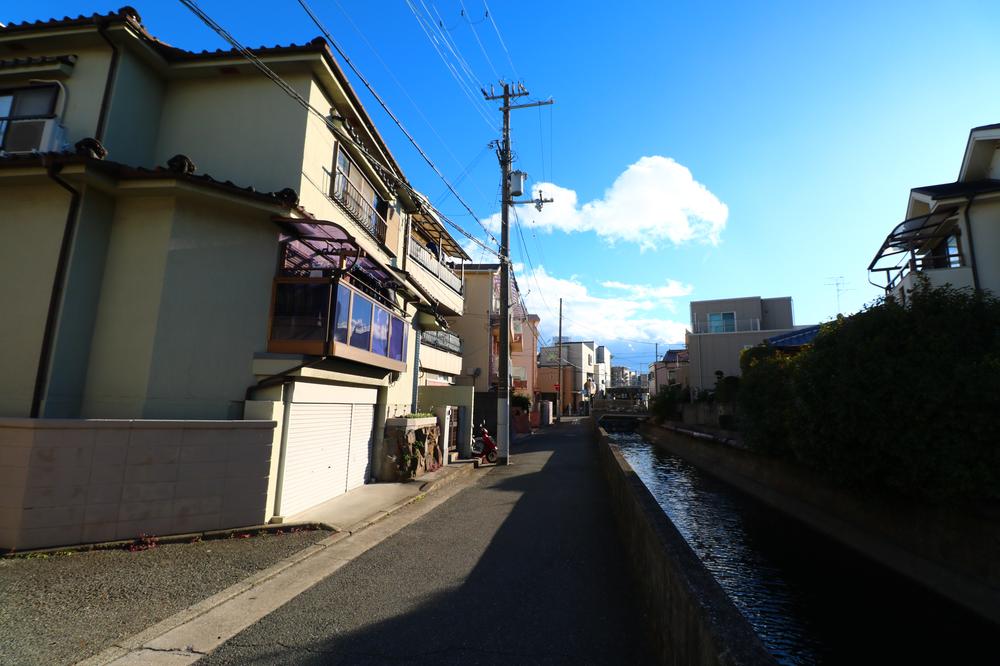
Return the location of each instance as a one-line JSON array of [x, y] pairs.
[[39, 135]]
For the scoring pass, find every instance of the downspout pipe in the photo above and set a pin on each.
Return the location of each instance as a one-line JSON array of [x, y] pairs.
[[58, 286], [288, 390], [102, 117], [416, 369], [972, 245]]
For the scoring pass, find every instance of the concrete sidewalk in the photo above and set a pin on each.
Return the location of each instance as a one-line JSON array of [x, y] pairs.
[[525, 566], [370, 503]]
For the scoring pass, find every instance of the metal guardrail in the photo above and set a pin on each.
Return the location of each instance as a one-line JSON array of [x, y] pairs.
[[347, 196], [442, 340], [731, 326], [430, 262]]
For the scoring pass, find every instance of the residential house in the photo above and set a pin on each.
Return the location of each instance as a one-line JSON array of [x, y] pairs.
[[602, 369], [621, 376], [192, 353], [479, 327], [580, 356], [669, 370], [524, 363], [951, 234], [721, 329]]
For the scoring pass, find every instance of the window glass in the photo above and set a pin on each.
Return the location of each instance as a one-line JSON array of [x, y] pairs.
[[722, 322], [341, 323], [380, 332], [361, 322], [397, 339], [6, 101], [300, 312], [33, 102]]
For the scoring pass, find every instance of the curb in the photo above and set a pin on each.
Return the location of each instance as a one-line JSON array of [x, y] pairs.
[[140, 647], [461, 469], [188, 537]]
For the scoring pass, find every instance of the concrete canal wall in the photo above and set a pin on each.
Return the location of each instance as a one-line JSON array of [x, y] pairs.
[[949, 551], [690, 618]]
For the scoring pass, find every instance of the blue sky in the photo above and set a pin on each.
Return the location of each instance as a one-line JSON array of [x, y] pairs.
[[713, 149]]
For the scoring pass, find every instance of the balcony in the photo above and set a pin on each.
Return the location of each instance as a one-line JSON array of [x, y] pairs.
[[957, 276], [318, 317], [441, 352], [726, 326], [443, 340], [346, 195], [516, 332], [928, 245], [423, 257]]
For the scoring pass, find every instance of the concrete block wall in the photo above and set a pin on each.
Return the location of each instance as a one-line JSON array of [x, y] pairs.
[[689, 618], [70, 481]]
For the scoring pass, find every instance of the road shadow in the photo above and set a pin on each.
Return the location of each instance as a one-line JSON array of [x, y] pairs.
[[549, 584]]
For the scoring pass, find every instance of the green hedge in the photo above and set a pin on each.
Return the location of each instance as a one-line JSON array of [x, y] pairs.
[[898, 398]]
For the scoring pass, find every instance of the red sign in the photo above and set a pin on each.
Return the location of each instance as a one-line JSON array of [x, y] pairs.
[[557, 386]]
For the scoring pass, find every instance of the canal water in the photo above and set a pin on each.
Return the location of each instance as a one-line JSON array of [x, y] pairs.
[[810, 599]]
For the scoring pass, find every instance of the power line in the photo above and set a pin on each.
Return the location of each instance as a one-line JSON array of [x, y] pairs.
[[291, 92], [475, 33], [399, 84], [428, 26], [385, 107], [500, 39]]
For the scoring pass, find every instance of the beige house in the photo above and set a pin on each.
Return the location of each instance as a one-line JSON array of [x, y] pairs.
[[951, 234], [581, 357], [192, 353], [721, 329], [479, 328]]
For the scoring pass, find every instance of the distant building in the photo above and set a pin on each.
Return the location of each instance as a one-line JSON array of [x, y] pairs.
[[580, 356], [721, 329]]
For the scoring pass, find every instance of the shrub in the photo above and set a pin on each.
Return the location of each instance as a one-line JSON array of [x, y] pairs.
[[520, 400], [895, 398], [666, 404]]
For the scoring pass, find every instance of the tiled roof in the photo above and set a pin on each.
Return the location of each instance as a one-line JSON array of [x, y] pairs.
[[986, 127], [129, 16], [120, 16], [796, 338], [959, 189], [287, 198]]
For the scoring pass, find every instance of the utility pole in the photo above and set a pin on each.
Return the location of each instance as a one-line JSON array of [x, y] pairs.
[[656, 376], [559, 377], [506, 159]]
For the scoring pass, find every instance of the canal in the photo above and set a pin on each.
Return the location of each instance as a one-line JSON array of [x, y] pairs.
[[810, 599]]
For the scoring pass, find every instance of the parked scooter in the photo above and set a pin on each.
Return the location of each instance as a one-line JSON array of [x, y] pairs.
[[483, 446]]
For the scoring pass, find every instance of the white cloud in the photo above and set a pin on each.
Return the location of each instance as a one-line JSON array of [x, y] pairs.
[[606, 319], [653, 200]]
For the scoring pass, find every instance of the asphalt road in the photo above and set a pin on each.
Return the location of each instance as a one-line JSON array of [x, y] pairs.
[[524, 567]]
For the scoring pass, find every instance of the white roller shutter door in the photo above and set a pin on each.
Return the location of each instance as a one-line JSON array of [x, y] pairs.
[[359, 462], [316, 461]]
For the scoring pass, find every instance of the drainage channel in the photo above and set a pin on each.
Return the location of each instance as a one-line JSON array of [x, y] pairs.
[[810, 599]]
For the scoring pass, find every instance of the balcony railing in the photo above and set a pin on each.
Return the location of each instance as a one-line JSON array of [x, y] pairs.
[[343, 193], [917, 264], [443, 340], [430, 262], [726, 326]]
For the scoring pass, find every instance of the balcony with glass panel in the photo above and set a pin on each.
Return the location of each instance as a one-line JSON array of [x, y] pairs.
[[330, 300], [724, 322]]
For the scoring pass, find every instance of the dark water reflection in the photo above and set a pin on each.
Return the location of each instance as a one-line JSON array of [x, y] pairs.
[[810, 599]]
